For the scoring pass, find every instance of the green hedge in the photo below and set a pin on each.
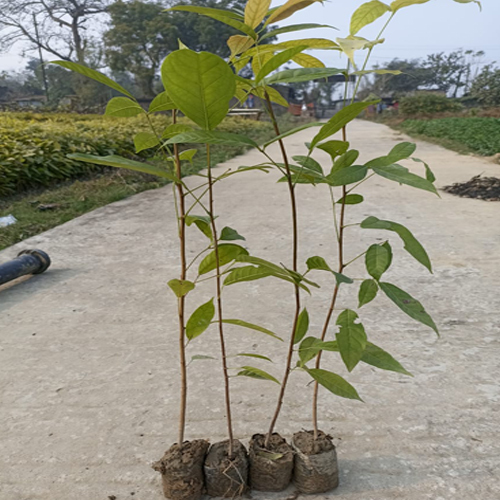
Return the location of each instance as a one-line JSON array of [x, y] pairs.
[[428, 104]]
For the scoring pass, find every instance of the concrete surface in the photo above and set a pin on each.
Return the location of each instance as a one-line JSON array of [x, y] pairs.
[[88, 354]]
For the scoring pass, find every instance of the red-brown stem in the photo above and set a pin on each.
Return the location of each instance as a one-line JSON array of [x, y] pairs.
[[295, 244], [181, 300], [219, 306], [332, 304]]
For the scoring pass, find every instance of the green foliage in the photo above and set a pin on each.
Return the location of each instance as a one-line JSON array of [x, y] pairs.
[[351, 338], [486, 86], [428, 104], [200, 320]]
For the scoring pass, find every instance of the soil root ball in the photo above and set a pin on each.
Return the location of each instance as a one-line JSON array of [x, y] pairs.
[[270, 468], [482, 188], [181, 469], [316, 468], [225, 476]]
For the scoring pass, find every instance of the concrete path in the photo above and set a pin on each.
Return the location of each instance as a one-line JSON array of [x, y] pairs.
[[88, 354]]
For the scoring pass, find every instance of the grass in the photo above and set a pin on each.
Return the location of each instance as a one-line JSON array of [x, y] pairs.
[[41, 209]]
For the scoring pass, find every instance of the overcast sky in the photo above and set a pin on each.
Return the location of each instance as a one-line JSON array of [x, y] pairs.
[[438, 26]]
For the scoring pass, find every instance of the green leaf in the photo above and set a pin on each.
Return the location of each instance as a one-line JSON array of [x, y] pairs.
[[181, 287], [334, 148], [377, 72], [229, 234], [375, 356], [188, 155], [200, 357], [200, 320], [227, 253], [317, 263], [429, 174], [346, 160], [257, 356], [239, 44], [378, 258], [309, 163], [308, 61], [351, 199], [200, 84], [246, 273], [251, 326], [312, 43], [227, 17], [123, 107], [145, 140], [411, 244], [250, 371], [351, 44], [278, 60], [176, 129], [340, 120], [289, 8], [346, 176], [367, 292], [212, 137], [293, 28], [256, 11], [202, 222], [311, 346], [302, 326], [400, 174], [95, 75], [300, 75], [351, 338], [366, 14], [119, 162], [399, 4], [291, 132], [408, 305], [400, 152], [161, 102], [334, 383]]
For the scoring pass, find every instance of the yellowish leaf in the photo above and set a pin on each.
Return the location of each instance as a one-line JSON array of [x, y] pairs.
[[239, 44], [255, 11], [308, 61], [289, 8]]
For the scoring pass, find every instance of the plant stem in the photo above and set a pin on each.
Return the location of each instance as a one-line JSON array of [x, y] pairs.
[[295, 244], [181, 300], [219, 306], [340, 241]]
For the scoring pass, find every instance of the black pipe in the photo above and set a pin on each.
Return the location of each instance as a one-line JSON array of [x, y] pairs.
[[27, 262]]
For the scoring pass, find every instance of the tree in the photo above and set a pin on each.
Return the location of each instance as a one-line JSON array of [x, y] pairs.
[[63, 27], [486, 86]]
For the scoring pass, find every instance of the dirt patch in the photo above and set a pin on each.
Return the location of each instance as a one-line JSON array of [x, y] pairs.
[[316, 468], [182, 470], [225, 476], [482, 188], [270, 468]]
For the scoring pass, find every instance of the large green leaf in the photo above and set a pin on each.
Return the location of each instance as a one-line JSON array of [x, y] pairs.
[[411, 244], [300, 75], [346, 176], [200, 84], [400, 152], [340, 120], [351, 199], [367, 292], [230, 234], [256, 11], [145, 140], [181, 287], [408, 304], [202, 222], [123, 107], [227, 17], [95, 75], [334, 148], [311, 346], [278, 60], [334, 383], [119, 162], [200, 320], [345, 160], [212, 137], [250, 371], [227, 253], [291, 132], [375, 356], [246, 273], [367, 14], [308, 163], [302, 326], [351, 338], [399, 4], [400, 174], [293, 28], [378, 258], [289, 8], [161, 102], [251, 326]]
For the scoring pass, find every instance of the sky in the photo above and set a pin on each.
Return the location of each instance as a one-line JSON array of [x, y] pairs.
[[438, 26]]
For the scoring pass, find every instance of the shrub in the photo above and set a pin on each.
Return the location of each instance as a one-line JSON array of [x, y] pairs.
[[428, 104]]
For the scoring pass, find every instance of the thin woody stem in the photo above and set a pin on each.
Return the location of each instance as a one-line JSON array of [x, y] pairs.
[[295, 243], [219, 306]]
